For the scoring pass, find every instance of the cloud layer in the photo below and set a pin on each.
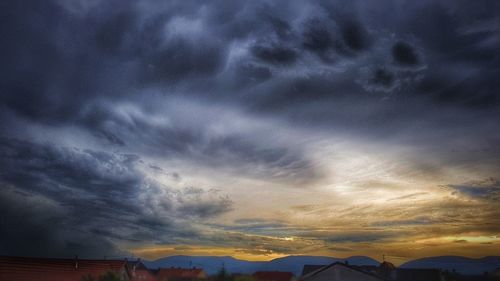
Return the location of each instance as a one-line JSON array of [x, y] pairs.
[[245, 124]]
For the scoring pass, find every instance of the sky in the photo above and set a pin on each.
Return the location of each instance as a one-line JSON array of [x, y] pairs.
[[256, 129]]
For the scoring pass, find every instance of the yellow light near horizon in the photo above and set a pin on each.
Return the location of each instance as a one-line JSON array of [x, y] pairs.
[[244, 254], [473, 239]]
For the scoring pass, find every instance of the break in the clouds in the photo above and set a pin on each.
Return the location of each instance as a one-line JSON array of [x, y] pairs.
[[255, 128]]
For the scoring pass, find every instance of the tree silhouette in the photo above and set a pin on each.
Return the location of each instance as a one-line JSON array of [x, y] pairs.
[[222, 275]]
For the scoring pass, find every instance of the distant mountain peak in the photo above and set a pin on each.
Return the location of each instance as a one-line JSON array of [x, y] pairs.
[[293, 263], [459, 264]]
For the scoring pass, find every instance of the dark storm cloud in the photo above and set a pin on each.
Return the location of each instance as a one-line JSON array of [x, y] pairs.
[[182, 59], [193, 203], [59, 60], [195, 142], [333, 39], [355, 36], [250, 73], [113, 54], [404, 54], [32, 226], [117, 52], [274, 54], [33, 63], [486, 189], [281, 27], [84, 201], [448, 34], [380, 78], [317, 37]]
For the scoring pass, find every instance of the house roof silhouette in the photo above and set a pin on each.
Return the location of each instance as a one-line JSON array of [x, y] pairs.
[[48, 269]]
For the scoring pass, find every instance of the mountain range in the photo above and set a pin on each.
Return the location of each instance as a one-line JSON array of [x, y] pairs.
[[212, 264], [456, 263], [294, 264]]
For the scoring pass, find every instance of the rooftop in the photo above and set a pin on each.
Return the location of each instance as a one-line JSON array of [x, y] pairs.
[[46, 269]]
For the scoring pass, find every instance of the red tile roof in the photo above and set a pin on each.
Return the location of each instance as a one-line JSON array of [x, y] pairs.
[[43, 269], [180, 273], [273, 275]]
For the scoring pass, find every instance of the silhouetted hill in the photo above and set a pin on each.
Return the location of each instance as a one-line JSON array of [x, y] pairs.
[[460, 264], [213, 264]]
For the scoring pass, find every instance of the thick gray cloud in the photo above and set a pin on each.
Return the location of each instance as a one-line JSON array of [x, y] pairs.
[[483, 190], [86, 201], [421, 74], [186, 138], [116, 52]]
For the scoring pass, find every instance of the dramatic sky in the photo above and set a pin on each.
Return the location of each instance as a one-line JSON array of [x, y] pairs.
[[256, 129]]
